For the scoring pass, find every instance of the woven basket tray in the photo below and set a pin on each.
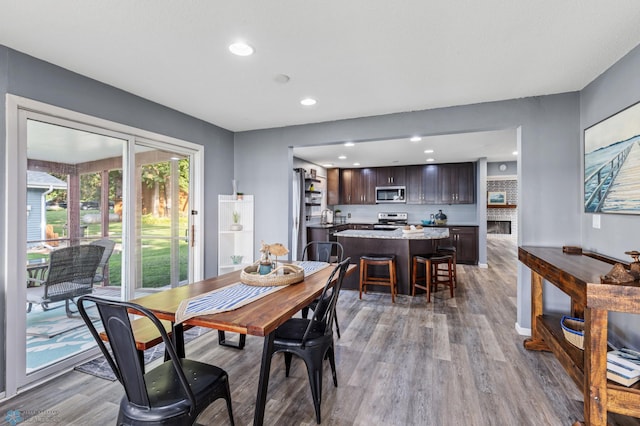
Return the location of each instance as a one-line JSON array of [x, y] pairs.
[[573, 330], [284, 274]]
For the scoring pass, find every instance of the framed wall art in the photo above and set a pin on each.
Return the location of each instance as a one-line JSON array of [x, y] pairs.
[[612, 164], [496, 198]]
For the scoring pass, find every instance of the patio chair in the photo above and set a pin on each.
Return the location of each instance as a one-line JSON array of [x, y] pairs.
[[173, 393], [71, 274]]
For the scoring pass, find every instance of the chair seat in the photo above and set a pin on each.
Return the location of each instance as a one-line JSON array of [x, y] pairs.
[[36, 294], [378, 257], [291, 333]]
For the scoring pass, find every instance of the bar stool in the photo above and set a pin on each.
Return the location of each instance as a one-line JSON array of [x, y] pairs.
[[388, 260], [431, 277], [454, 253]]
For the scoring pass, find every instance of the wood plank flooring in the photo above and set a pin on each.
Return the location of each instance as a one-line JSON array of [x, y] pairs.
[[451, 362]]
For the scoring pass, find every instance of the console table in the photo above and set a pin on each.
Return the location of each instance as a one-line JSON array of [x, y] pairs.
[[579, 277]]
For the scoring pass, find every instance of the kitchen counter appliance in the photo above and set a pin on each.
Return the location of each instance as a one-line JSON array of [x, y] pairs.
[[391, 194], [390, 221]]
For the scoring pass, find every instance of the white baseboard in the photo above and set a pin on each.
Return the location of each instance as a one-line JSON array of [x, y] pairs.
[[523, 331], [483, 265]]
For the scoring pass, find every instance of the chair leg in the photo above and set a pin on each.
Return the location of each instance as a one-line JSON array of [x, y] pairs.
[[392, 279], [332, 362], [305, 312], [362, 275], [227, 397], [428, 279], [314, 369], [335, 318], [287, 363]]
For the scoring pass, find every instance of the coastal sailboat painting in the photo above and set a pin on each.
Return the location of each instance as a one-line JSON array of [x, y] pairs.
[[612, 164]]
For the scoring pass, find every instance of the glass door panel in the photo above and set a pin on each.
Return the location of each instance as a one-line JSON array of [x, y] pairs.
[[67, 186], [163, 222]]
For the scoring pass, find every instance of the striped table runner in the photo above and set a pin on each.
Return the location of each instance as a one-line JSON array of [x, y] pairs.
[[233, 296]]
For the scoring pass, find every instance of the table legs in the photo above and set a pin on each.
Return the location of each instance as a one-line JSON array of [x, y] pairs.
[[263, 383]]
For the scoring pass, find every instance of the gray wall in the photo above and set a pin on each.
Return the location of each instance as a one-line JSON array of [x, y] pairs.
[[32, 78], [614, 90], [549, 163]]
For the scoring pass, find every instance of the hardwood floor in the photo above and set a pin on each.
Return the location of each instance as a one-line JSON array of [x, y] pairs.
[[451, 362]]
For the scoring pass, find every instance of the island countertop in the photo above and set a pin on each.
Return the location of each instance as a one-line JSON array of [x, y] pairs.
[[398, 234]]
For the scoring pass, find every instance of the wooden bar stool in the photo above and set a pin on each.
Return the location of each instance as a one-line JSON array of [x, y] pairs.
[[454, 253], [388, 260], [431, 277]]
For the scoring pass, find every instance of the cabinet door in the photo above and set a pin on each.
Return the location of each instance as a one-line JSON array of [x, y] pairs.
[[465, 184], [414, 185], [368, 182], [445, 188], [391, 176], [465, 239], [346, 176], [430, 184], [333, 187]]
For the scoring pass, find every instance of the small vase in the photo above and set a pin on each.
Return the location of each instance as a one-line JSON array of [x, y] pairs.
[[236, 227]]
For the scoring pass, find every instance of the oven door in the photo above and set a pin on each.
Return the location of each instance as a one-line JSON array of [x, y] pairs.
[[391, 194]]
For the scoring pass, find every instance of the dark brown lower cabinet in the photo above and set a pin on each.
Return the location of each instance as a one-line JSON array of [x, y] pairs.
[[465, 240]]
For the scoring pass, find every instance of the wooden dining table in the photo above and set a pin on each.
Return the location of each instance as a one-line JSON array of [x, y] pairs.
[[258, 318]]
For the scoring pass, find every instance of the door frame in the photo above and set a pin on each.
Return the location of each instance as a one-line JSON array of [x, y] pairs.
[[18, 107]]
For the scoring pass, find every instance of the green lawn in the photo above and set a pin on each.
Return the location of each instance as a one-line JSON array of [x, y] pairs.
[[155, 247]]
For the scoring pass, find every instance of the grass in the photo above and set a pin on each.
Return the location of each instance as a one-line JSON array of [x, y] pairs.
[[155, 246]]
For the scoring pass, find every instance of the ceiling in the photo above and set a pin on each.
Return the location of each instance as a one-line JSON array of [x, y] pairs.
[[357, 58]]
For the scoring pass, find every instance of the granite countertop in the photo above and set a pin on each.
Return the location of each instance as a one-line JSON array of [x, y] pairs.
[[430, 233]]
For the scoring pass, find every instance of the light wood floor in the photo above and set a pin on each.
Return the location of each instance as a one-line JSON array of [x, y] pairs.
[[451, 362]]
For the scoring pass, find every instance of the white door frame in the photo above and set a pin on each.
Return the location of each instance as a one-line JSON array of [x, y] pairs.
[[17, 109]]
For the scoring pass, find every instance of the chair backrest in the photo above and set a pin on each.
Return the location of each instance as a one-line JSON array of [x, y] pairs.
[[75, 264], [108, 250], [325, 311], [323, 251], [124, 361]]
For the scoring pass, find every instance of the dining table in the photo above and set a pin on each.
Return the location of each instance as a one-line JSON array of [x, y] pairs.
[[259, 318]]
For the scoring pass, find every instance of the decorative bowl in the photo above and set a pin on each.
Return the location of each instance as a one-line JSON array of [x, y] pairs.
[[426, 222]]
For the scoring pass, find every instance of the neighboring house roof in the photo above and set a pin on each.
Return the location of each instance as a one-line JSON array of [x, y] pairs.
[[44, 180]]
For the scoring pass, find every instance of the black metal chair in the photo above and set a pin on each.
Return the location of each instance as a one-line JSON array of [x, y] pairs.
[[70, 274], [312, 339], [175, 392], [322, 251]]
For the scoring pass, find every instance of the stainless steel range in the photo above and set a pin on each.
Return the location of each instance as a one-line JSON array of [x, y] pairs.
[[390, 221]]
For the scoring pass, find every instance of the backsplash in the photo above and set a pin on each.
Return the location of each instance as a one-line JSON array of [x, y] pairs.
[[461, 214], [504, 214]]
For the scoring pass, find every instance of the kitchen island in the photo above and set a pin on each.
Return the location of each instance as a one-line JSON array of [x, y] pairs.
[[404, 245]]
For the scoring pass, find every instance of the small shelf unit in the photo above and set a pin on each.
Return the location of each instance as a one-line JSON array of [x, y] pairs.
[[235, 242]]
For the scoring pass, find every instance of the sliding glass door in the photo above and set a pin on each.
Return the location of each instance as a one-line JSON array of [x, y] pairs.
[[79, 184]]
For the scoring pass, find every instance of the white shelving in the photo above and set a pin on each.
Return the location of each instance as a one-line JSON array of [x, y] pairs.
[[232, 242]]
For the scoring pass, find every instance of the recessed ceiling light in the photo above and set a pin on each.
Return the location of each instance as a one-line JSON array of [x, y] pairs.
[[349, 144], [308, 101], [428, 151], [430, 160], [342, 157], [356, 164], [415, 139], [241, 49], [328, 165], [515, 152]]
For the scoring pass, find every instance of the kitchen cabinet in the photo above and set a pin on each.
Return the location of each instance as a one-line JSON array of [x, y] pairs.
[[456, 183], [422, 184], [333, 187], [357, 186], [465, 240], [235, 233], [390, 176]]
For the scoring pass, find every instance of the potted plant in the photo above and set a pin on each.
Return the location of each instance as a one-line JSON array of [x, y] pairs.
[[236, 226]]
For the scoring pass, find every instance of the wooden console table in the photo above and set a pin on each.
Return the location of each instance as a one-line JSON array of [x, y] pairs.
[[579, 277]]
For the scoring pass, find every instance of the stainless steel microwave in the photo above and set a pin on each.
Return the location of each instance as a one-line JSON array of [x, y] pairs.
[[391, 194]]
